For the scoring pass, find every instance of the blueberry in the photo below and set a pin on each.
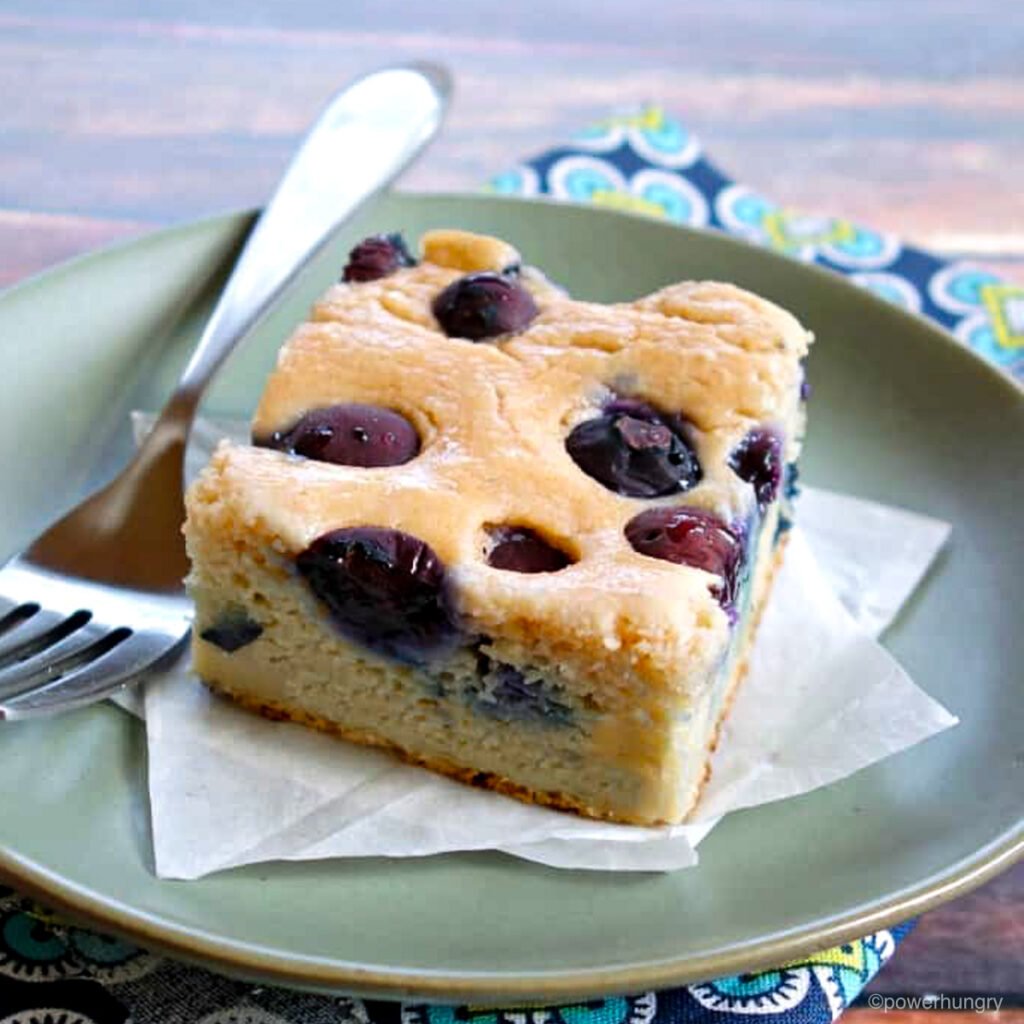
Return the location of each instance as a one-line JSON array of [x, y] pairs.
[[376, 257], [349, 435], [691, 536], [484, 306], [233, 630], [782, 526], [520, 549], [791, 486], [634, 449], [790, 490], [757, 459], [506, 694], [805, 384], [384, 589]]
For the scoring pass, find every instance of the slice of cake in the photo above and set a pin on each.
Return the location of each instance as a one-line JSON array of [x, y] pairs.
[[516, 538]]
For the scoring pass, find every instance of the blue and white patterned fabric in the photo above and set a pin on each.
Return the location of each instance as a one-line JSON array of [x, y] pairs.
[[647, 162], [644, 161], [53, 973]]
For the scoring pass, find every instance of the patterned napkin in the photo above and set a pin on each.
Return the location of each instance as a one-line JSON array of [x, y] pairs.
[[646, 162]]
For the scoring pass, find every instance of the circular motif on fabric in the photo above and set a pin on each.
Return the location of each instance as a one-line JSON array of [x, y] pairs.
[[665, 141], [884, 943], [682, 201], [603, 137], [957, 288], [830, 985], [109, 960], [863, 249], [742, 210], [583, 178], [639, 1009], [417, 1013], [891, 287], [47, 1015], [32, 951], [843, 971], [521, 180], [352, 1010], [243, 1015], [100, 949], [763, 994], [616, 1010], [977, 333]]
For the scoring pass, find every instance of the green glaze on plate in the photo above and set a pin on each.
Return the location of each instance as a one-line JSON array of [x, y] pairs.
[[900, 413]]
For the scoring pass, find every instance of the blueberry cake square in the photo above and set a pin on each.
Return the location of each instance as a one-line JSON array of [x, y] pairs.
[[516, 538]]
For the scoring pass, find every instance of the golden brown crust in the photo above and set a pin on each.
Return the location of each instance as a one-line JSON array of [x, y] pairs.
[[643, 638], [493, 421], [278, 712]]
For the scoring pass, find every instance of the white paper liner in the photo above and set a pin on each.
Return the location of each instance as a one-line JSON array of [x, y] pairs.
[[822, 700]]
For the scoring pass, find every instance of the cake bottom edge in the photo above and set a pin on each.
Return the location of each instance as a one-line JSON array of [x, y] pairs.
[[281, 712]]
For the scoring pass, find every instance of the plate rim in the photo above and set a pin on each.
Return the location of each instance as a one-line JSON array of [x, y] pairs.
[[250, 960], [241, 958]]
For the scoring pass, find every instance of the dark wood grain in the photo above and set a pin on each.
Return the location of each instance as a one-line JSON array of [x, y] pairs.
[[907, 116], [859, 1015], [31, 242], [974, 944], [120, 117]]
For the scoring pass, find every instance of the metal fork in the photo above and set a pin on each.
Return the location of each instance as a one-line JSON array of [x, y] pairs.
[[97, 600]]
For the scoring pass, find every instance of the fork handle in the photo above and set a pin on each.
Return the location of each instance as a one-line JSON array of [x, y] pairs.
[[364, 138]]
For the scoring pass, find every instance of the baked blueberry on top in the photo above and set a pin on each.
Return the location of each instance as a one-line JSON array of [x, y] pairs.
[[349, 434], [634, 449], [516, 538], [485, 305], [376, 257]]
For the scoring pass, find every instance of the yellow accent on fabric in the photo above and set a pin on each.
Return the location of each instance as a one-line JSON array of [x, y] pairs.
[[624, 201], [650, 118], [788, 229], [835, 957], [1005, 304]]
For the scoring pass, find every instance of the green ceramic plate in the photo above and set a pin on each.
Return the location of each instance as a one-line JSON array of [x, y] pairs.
[[900, 413]]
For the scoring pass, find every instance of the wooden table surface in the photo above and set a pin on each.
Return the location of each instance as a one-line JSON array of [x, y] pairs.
[[120, 117]]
